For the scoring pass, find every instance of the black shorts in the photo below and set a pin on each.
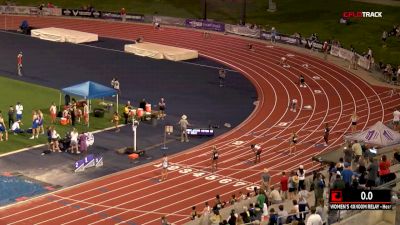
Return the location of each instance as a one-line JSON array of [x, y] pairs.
[[162, 108], [292, 189], [353, 123], [370, 183]]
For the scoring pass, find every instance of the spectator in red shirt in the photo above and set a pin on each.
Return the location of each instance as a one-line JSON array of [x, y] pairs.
[[384, 169], [123, 14], [284, 185], [19, 64]]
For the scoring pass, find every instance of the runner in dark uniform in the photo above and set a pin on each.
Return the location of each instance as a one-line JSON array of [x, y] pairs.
[[214, 159], [326, 134], [302, 81], [293, 142]]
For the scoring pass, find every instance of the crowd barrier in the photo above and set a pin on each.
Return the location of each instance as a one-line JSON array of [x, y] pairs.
[[173, 21], [242, 30], [26, 10], [205, 25]]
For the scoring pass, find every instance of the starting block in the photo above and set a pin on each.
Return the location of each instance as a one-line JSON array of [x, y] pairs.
[[87, 162]]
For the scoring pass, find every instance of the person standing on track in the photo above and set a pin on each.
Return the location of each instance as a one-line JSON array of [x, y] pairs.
[[326, 134], [293, 142], [164, 166], [293, 105], [19, 64], [257, 151], [161, 108], [325, 48], [214, 159], [273, 35], [183, 125], [354, 119], [222, 77], [302, 81], [164, 221]]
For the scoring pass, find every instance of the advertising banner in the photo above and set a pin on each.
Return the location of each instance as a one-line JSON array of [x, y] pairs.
[[117, 16], [205, 25], [242, 30], [50, 11], [364, 62], [169, 20], [20, 10], [281, 38], [102, 15]]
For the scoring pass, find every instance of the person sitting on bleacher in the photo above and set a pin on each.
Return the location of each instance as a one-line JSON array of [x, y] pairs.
[[15, 128]]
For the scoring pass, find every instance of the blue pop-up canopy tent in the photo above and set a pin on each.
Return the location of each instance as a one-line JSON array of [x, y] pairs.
[[90, 90]]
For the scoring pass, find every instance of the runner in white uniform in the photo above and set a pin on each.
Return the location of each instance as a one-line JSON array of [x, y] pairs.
[[293, 104]]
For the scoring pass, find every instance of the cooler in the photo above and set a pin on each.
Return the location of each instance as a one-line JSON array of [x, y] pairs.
[[139, 112], [64, 121], [132, 112]]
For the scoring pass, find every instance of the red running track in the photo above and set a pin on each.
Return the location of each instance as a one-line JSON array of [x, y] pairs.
[[136, 197]]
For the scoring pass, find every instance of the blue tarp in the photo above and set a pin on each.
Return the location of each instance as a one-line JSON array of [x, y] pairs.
[[90, 90]]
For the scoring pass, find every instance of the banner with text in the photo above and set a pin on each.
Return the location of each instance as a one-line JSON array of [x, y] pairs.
[[242, 30], [347, 55], [169, 20], [205, 25], [26, 10], [20, 10], [117, 16], [281, 38], [102, 15]]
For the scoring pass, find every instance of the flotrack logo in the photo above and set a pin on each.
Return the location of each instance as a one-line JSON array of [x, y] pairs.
[[362, 14]]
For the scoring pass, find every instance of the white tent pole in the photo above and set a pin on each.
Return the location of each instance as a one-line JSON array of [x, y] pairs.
[[89, 112], [117, 103]]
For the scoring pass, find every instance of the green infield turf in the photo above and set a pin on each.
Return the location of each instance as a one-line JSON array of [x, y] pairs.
[[35, 97], [305, 17]]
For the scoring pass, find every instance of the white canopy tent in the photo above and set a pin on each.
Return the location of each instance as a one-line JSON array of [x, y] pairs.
[[378, 134]]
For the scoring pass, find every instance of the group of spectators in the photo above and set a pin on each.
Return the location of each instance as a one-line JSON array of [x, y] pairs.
[[15, 121], [390, 73], [394, 32], [357, 169], [255, 207], [73, 141]]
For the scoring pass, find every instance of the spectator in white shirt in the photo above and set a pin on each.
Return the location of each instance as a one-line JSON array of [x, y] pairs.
[[303, 195], [19, 108], [314, 219], [74, 141], [54, 140], [369, 54], [15, 128], [396, 119], [283, 214]]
